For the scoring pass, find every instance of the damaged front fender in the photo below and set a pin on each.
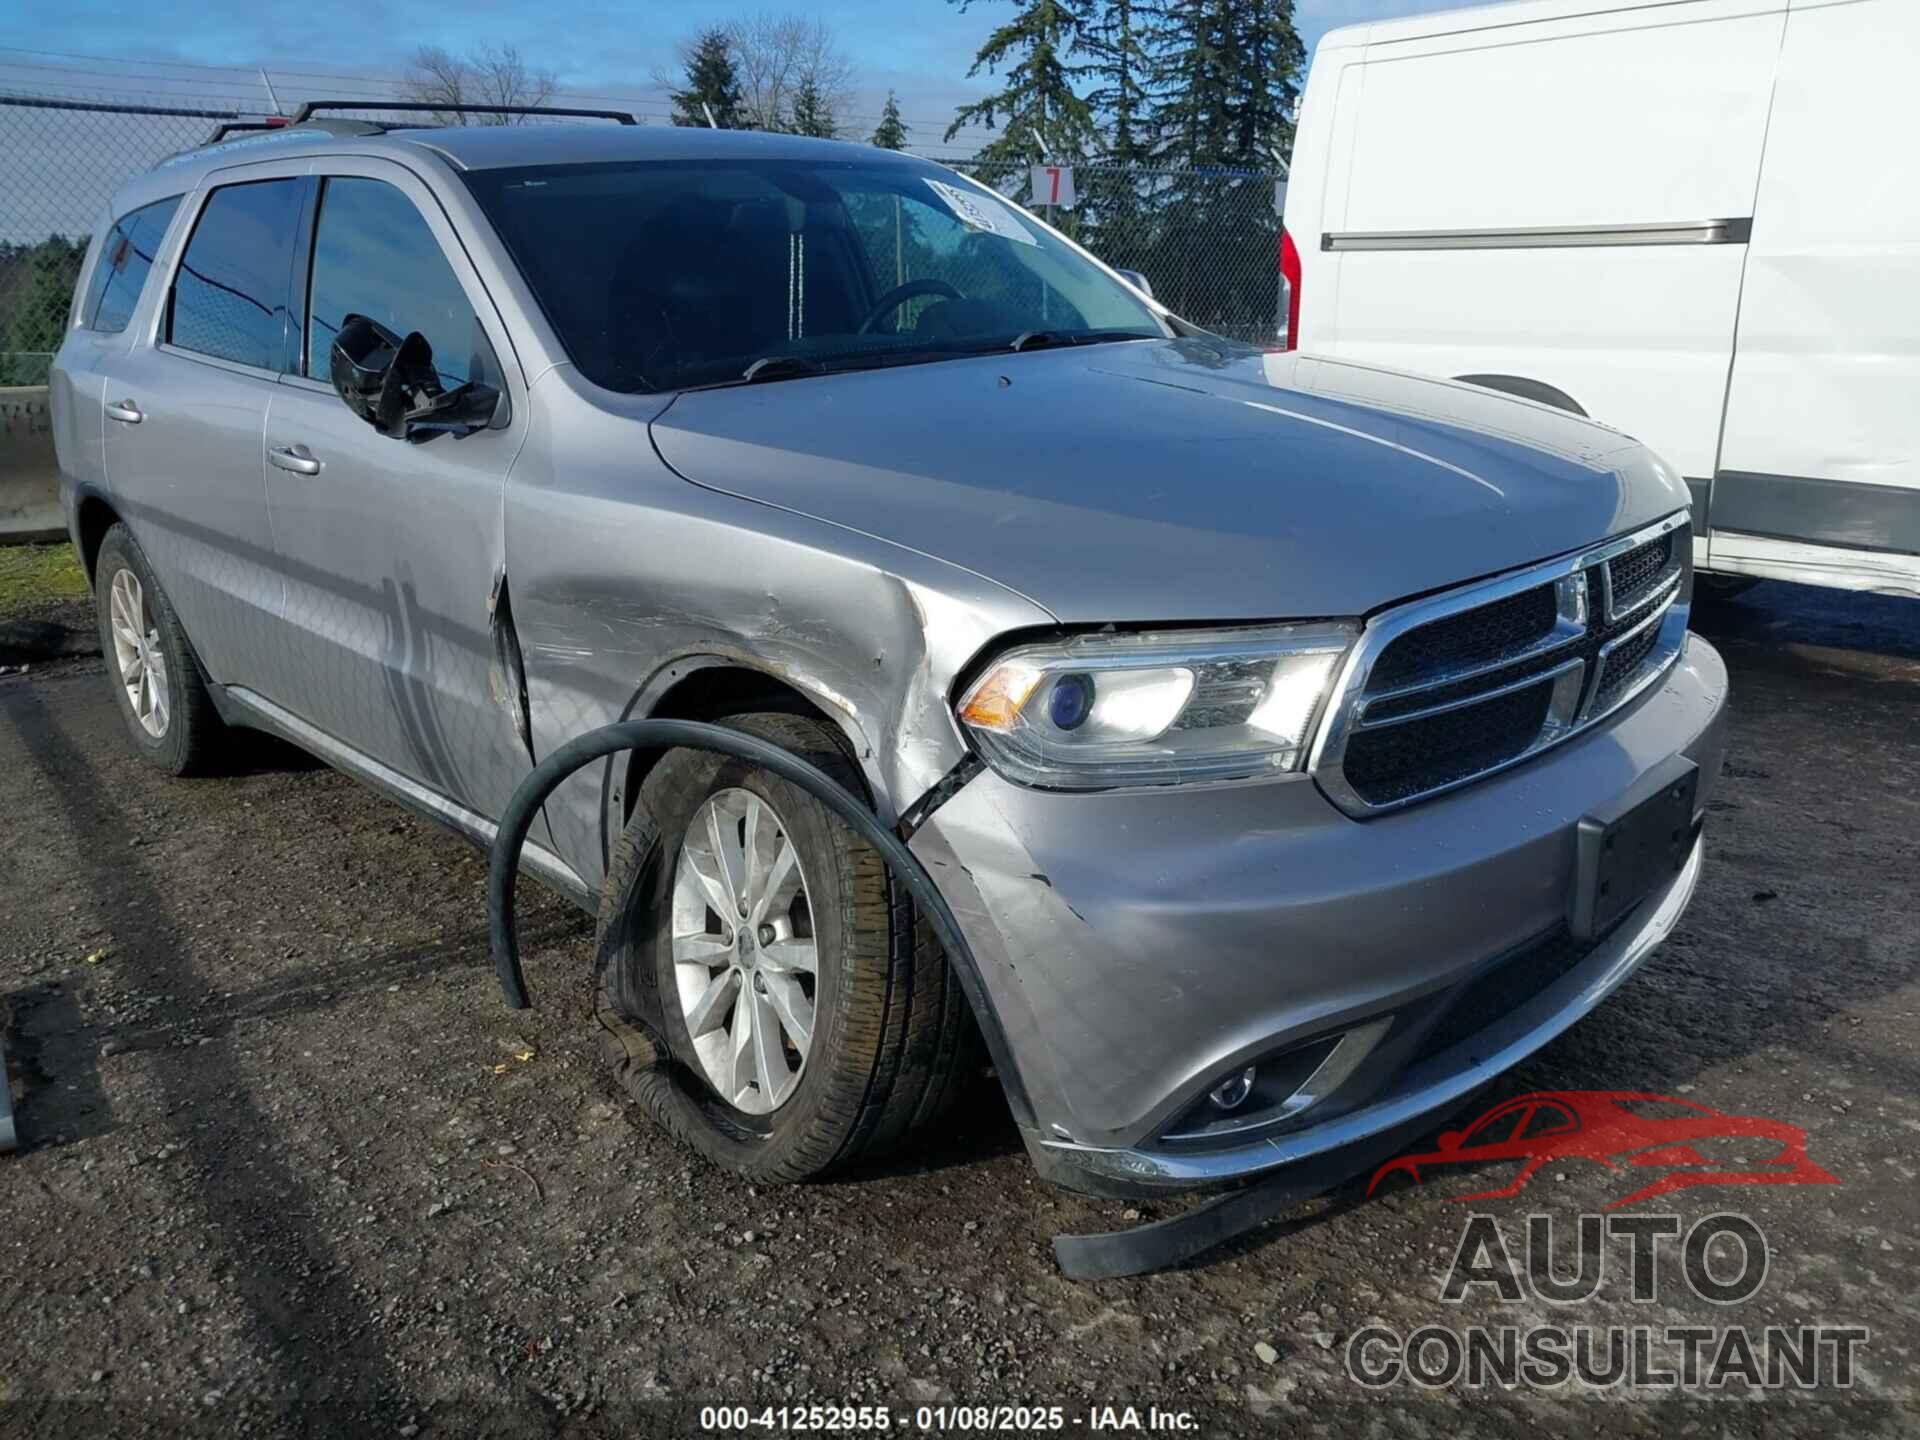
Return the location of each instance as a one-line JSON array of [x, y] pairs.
[[628, 579], [507, 671]]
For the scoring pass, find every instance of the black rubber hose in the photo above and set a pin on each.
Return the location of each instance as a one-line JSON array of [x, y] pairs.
[[1149, 1247], [504, 865]]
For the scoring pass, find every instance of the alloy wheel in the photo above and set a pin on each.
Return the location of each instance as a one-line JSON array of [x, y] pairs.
[[745, 960], [138, 653]]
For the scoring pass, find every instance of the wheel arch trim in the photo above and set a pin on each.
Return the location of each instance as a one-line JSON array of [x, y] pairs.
[[621, 783], [1525, 387]]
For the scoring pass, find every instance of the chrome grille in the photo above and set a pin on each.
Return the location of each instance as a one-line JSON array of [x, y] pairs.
[[1631, 576], [1445, 690], [1506, 627]]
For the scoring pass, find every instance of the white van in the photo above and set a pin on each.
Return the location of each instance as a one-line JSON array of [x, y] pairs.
[[1695, 220]]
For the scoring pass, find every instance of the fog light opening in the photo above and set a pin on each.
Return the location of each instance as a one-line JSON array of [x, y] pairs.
[[1231, 1094]]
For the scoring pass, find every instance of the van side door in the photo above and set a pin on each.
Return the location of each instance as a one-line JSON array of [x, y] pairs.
[[390, 547], [186, 406], [1557, 198], [1819, 472]]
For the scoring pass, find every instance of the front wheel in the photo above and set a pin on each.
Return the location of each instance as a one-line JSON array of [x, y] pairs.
[[809, 1015], [156, 680]]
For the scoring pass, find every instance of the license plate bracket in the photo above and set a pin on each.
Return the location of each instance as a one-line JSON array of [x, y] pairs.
[[1627, 848]]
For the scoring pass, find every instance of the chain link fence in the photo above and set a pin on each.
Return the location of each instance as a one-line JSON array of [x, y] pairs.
[[60, 162], [1205, 240]]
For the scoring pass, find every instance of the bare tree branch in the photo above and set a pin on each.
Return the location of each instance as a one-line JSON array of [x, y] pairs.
[[778, 56], [488, 75], [506, 79], [436, 78]]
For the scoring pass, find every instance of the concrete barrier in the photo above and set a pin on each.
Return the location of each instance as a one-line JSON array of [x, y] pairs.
[[29, 475]]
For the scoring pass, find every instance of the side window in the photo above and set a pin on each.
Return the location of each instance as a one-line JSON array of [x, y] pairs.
[[126, 255], [373, 255], [230, 295]]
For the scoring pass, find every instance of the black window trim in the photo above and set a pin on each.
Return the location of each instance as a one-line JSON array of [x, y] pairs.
[[300, 279]]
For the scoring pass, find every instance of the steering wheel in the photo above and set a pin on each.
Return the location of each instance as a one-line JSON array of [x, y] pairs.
[[899, 296]]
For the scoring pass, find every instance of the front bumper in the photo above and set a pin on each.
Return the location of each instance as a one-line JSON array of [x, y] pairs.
[[1138, 946]]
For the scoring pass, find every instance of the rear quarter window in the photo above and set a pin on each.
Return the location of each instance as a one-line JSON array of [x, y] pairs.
[[126, 255], [230, 293]]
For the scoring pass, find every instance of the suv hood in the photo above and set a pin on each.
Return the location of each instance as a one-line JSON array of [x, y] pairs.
[[1165, 481]]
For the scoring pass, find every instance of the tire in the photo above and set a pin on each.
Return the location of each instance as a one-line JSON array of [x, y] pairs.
[[169, 714], [892, 1039]]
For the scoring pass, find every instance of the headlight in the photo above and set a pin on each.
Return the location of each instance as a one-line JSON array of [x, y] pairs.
[[1158, 708]]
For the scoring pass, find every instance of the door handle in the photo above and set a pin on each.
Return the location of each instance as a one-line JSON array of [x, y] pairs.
[[296, 458], [125, 411]]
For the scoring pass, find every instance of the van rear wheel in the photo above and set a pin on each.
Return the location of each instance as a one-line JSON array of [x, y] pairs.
[[809, 1016]]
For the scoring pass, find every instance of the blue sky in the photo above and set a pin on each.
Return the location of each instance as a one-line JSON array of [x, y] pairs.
[[921, 48]]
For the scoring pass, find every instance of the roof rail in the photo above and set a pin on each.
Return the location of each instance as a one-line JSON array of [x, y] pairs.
[[441, 107], [220, 132]]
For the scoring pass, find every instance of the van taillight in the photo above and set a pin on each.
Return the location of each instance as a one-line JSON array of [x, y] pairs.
[[1290, 287]]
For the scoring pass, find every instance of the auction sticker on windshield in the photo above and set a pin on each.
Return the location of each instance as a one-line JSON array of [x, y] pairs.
[[982, 212]]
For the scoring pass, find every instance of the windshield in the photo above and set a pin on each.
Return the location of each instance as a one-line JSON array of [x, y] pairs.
[[665, 275]]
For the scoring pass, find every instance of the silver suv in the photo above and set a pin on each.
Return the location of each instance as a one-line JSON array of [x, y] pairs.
[[1297, 743]]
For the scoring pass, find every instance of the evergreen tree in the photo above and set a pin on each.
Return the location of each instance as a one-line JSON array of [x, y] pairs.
[[1226, 80], [812, 112], [1268, 60], [1040, 114], [36, 289], [1121, 70], [1116, 214], [1189, 82], [712, 83], [891, 132]]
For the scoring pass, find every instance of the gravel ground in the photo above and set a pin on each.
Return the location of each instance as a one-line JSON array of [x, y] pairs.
[[288, 1165]]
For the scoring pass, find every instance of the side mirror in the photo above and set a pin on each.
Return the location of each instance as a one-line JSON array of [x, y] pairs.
[[1449, 1139], [391, 384], [1137, 280]]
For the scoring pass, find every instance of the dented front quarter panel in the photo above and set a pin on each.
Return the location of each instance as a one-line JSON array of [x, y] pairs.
[[626, 578]]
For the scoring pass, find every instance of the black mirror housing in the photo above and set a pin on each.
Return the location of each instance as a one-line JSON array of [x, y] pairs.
[[391, 383]]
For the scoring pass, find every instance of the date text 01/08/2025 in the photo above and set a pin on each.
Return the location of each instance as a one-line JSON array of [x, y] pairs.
[[944, 1419]]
